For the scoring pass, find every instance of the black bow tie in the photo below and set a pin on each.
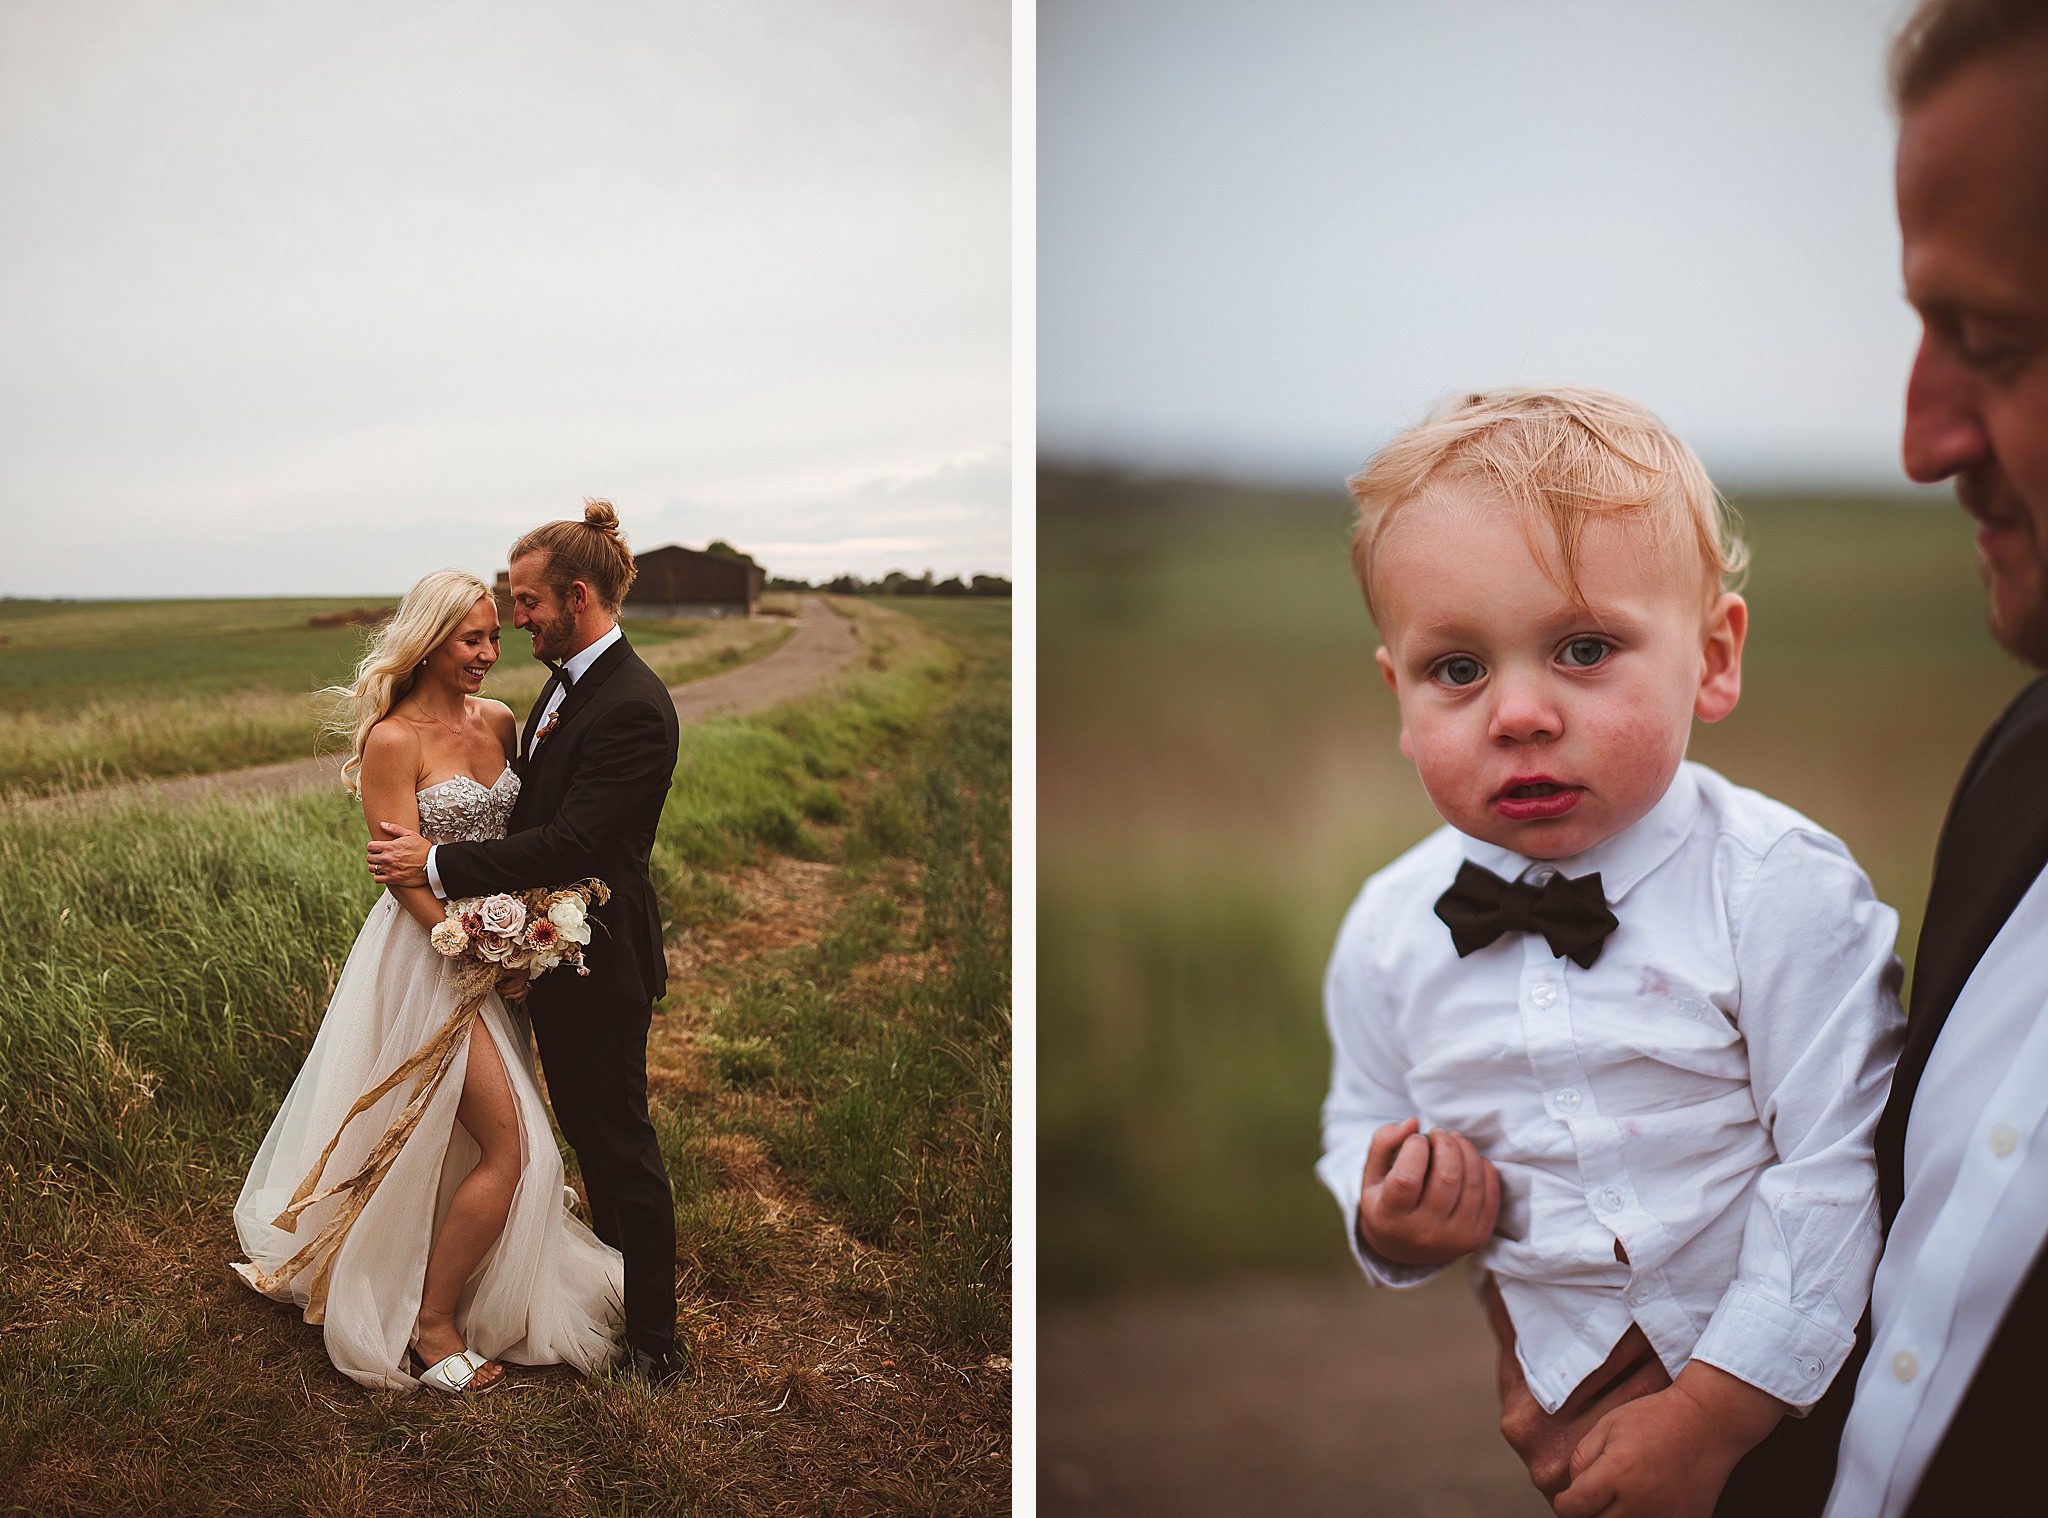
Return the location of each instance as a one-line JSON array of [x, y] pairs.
[[1571, 914], [561, 672]]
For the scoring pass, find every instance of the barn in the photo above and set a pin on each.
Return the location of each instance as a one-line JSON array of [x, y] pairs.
[[687, 582], [680, 582]]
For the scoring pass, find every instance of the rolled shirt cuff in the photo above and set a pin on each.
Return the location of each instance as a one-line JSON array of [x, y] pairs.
[[1382, 1271], [434, 875], [1773, 1346]]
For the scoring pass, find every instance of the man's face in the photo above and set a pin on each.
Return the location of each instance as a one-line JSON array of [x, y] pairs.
[[1535, 723], [1973, 220], [537, 608]]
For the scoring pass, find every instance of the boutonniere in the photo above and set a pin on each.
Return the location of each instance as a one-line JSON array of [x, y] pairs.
[[547, 725]]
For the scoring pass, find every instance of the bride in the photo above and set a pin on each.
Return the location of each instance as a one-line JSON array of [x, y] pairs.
[[464, 1251]]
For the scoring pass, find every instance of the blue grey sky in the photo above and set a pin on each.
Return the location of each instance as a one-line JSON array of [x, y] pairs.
[[1271, 232], [315, 297]]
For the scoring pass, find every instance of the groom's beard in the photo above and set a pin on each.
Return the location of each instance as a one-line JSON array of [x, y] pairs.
[[2016, 574], [549, 642]]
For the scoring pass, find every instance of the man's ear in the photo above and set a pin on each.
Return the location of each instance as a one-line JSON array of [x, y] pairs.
[[1721, 658], [1385, 661]]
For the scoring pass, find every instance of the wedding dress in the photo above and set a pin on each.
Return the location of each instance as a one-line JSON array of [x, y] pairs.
[[549, 1291]]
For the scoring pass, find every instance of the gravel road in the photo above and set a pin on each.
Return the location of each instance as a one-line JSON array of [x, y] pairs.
[[823, 644]]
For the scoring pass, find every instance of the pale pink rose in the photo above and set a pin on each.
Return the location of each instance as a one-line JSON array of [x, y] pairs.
[[503, 914]]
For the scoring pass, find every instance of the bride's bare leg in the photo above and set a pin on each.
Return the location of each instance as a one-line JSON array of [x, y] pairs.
[[477, 1212]]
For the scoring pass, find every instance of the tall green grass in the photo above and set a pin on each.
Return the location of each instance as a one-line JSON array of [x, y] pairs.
[[1219, 773], [165, 976]]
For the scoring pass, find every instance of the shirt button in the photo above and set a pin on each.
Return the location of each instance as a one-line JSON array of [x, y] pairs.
[[1543, 995], [1811, 1366], [1568, 1101], [1905, 1365], [1543, 874], [2004, 1139], [1611, 1199]]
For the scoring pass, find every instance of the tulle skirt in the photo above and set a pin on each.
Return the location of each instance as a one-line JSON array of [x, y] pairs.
[[549, 1291]]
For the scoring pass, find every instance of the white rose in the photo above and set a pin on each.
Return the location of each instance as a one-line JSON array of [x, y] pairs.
[[567, 916], [503, 914], [447, 937]]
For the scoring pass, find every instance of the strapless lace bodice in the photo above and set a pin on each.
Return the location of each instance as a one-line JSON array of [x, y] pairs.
[[462, 810]]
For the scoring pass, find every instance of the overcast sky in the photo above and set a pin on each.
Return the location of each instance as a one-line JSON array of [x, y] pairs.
[[1274, 231], [316, 297]]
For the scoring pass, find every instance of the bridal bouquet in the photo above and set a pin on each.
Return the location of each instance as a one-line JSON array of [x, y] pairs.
[[533, 931]]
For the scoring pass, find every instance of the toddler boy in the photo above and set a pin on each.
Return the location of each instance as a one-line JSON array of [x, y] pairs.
[[1622, 1030]]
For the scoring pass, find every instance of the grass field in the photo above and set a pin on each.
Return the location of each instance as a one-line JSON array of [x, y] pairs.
[[1218, 774], [829, 1074], [97, 691]]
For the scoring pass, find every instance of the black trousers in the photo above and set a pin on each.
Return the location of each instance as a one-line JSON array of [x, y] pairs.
[[595, 1059]]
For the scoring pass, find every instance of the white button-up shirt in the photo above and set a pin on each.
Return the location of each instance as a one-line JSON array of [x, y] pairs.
[[1704, 1095], [1974, 1217]]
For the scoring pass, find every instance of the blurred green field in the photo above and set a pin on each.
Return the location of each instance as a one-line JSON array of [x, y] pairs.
[[1218, 774], [99, 691]]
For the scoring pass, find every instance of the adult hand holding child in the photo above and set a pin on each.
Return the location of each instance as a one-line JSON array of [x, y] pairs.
[[1546, 1442], [1668, 1454]]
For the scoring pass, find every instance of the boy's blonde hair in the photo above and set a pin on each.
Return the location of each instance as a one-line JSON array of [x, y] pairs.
[[1559, 456]]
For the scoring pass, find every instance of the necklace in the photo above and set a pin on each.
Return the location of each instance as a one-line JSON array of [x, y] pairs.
[[458, 732]]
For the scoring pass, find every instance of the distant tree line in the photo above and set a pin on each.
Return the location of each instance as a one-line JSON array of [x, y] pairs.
[[897, 583]]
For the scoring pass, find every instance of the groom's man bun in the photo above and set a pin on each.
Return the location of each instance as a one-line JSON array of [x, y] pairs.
[[591, 550]]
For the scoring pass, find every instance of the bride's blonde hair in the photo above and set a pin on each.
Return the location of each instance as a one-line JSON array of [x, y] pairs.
[[430, 612]]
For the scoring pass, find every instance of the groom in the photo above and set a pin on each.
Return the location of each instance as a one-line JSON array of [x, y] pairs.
[[595, 762]]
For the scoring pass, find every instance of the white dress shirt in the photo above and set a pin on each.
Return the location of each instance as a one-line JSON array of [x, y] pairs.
[[1704, 1095], [573, 667], [1974, 1216]]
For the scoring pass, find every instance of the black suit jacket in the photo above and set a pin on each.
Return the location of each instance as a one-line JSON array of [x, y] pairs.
[[589, 801], [1993, 845]]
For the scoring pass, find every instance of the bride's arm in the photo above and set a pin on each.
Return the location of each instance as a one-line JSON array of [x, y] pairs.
[[391, 770]]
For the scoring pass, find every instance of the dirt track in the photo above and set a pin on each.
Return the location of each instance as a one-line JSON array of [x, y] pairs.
[[1316, 1397], [823, 644]]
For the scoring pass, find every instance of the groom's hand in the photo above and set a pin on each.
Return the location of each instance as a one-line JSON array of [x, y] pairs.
[[399, 858], [1545, 1441]]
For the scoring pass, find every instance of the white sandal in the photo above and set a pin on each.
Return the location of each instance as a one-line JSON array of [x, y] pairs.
[[458, 1372]]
